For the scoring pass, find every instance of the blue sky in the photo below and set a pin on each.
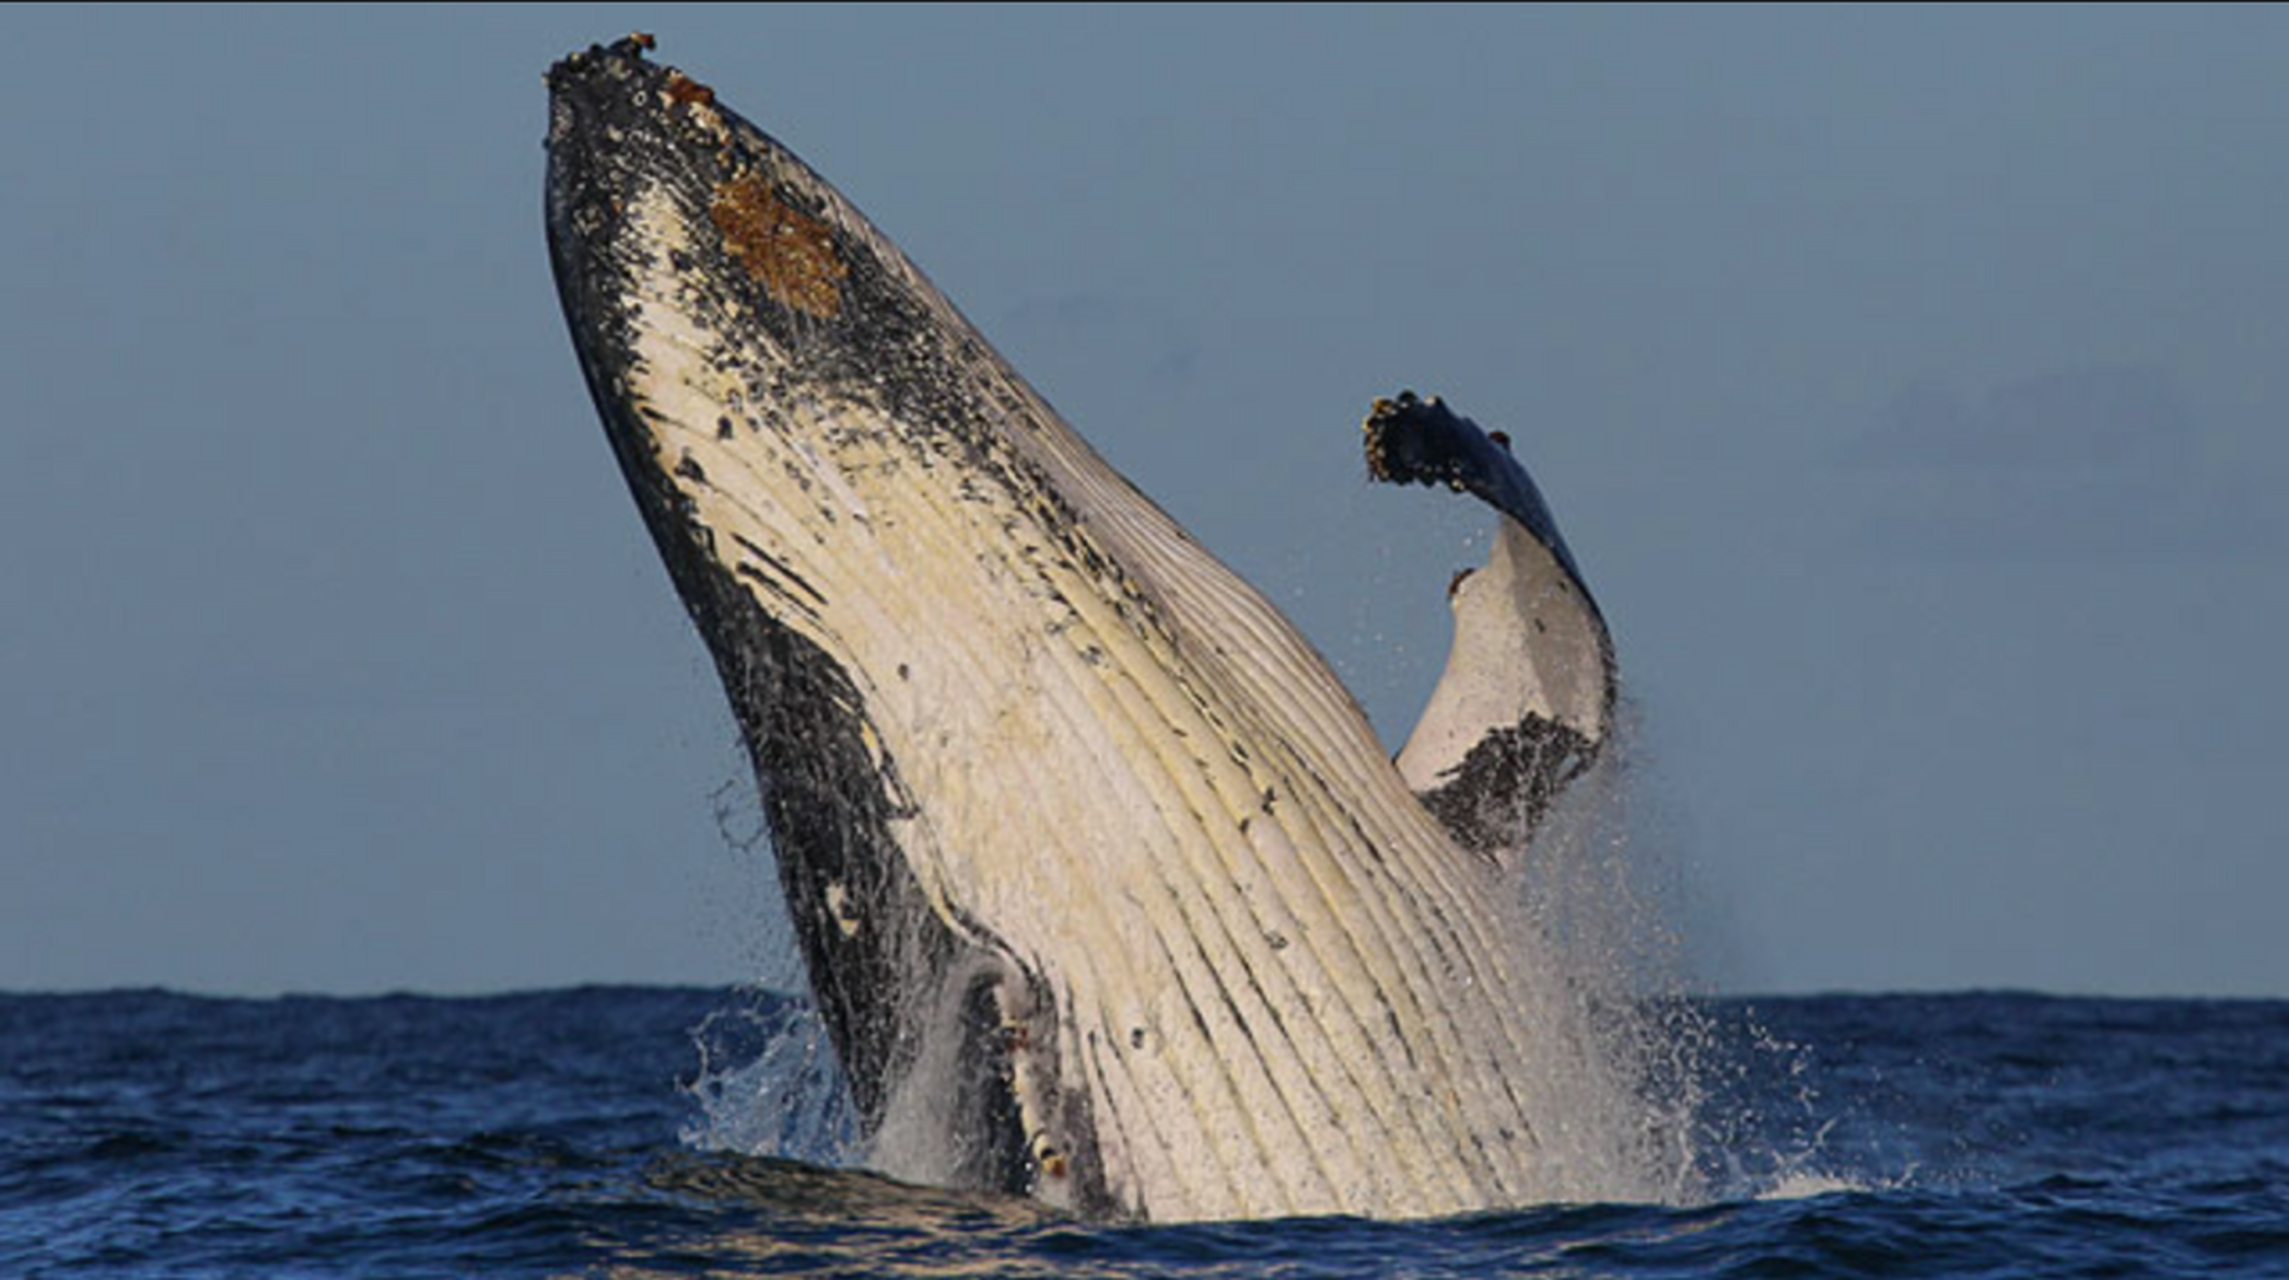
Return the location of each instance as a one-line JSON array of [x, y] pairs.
[[1910, 384]]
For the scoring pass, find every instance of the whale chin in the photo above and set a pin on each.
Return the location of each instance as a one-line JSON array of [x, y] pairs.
[[1107, 892]]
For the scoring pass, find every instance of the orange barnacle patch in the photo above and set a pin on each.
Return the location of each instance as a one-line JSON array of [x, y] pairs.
[[791, 253], [684, 89]]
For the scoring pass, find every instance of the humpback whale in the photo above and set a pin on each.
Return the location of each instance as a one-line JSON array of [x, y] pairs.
[[1107, 892]]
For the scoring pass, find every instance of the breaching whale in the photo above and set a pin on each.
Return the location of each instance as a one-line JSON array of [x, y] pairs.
[[1106, 890]]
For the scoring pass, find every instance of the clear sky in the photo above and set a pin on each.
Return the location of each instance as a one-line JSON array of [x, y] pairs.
[[1913, 386]]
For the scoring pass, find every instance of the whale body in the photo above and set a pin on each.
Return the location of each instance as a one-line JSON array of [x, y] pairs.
[[1106, 890]]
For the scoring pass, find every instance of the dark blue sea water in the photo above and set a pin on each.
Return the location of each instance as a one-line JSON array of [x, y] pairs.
[[567, 1132]]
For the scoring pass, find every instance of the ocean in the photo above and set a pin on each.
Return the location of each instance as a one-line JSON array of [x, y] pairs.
[[608, 1132]]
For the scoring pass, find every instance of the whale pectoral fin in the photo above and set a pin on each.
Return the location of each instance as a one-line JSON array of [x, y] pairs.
[[1527, 696]]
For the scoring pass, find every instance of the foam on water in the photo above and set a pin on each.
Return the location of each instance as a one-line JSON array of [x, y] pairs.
[[1807, 1185]]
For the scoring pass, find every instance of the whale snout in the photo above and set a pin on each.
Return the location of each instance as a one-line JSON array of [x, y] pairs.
[[590, 85], [618, 127]]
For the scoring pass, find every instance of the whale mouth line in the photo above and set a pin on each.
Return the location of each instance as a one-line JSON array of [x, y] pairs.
[[1106, 891]]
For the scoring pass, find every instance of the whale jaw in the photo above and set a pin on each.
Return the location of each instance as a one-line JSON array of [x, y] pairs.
[[1106, 890], [704, 375]]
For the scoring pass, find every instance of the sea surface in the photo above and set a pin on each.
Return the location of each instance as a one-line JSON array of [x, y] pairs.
[[593, 1132]]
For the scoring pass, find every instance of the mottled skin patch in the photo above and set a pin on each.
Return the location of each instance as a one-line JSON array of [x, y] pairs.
[[793, 255], [684, 89]]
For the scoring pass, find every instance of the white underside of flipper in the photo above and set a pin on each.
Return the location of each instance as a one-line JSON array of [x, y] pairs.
[[1524, 645]]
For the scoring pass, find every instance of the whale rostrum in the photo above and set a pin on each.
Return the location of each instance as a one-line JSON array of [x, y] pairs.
[[1106, 890]]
